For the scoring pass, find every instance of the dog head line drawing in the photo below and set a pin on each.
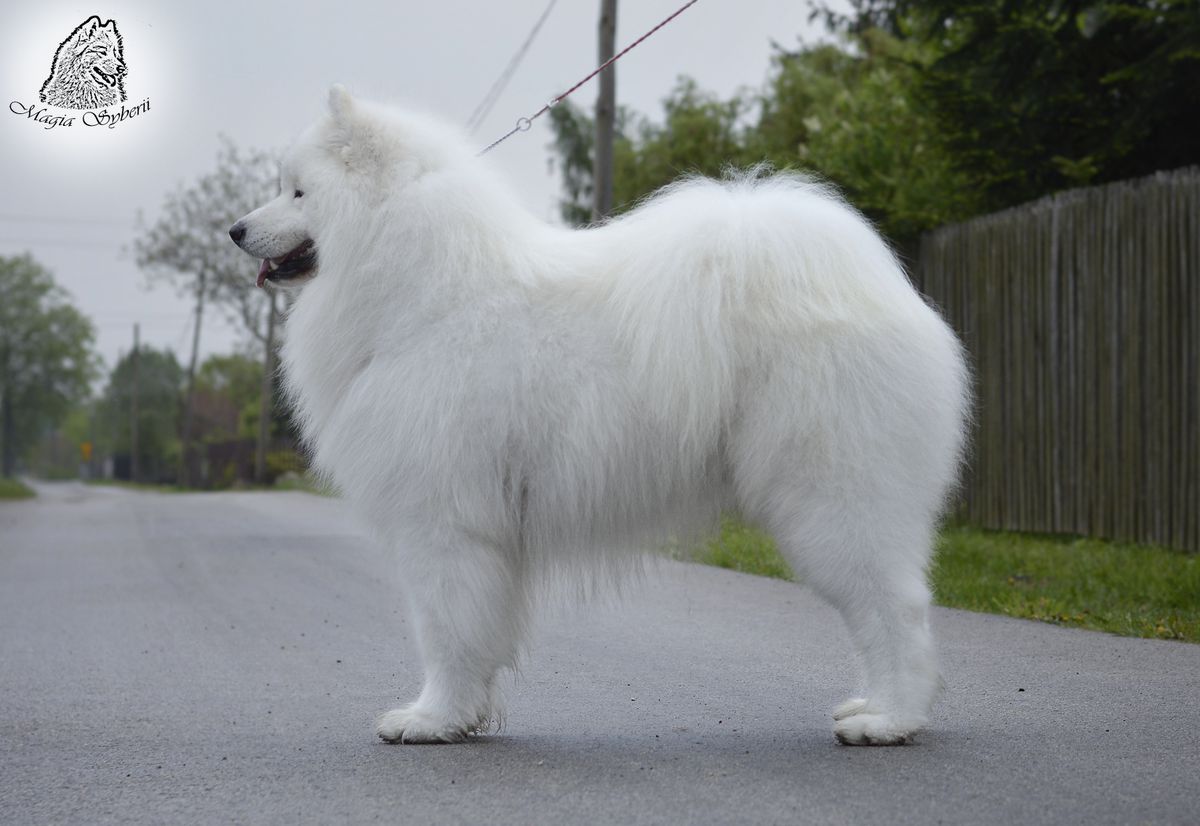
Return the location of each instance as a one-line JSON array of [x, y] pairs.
[[89, 68]]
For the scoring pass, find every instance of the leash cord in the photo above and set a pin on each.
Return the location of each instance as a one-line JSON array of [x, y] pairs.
[[524, 123]]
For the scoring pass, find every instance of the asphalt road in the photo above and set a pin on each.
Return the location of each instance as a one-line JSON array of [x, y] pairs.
[[220, 658]]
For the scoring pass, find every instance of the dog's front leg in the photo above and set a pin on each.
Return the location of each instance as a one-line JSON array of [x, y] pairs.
[[469, 604]]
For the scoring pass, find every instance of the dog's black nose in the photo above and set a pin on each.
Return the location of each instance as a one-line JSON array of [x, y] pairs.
[[237, 232]]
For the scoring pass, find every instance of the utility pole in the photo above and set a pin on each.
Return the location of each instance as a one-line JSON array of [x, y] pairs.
[[606, 113], [264, 406], [135, 358], [189, 403]]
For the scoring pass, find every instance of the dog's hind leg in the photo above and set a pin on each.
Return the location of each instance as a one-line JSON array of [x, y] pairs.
[[873, 571], [469, 604]]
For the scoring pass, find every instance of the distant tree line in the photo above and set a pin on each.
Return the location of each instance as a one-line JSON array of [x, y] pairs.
[[928, 111], [48, 367], [227, 408], [56, 396]]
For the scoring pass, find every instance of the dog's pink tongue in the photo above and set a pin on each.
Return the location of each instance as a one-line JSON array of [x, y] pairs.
[[263, 269]]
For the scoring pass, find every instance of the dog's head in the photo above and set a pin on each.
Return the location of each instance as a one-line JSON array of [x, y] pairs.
[[93, 54], [280, 232], [341, 170]]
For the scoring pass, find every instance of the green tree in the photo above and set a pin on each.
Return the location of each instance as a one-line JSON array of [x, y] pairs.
[[574, 142], [850, 116], [931, 111], [188, 247], [46, 358], [158, 383], [237, 379], [845, 114], [700, 134], [1033, 97]]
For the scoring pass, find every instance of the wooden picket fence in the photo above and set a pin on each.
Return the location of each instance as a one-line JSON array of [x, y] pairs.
[[1081, 313]]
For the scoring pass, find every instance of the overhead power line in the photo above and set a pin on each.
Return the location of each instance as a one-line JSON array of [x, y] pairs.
[[523, 124], [63, 219], [61, 242], [493, 94]]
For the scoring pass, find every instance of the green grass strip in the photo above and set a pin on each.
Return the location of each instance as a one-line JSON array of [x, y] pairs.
[[1127, 589], [148, 487], [14, 489]]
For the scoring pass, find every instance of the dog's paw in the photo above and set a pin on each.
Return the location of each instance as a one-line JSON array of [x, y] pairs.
[[855, 705], [413, 724], [863, 729]]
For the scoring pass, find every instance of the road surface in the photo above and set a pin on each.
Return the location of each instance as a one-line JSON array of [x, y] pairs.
[[220, 658]]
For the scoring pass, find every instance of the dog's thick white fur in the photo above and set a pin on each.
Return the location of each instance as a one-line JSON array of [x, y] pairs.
[[508, 402]]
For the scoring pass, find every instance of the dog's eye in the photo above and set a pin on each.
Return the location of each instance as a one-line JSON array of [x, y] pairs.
[[298, 194]]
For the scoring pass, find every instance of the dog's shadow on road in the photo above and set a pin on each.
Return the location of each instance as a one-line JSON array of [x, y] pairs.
[[593, 757]]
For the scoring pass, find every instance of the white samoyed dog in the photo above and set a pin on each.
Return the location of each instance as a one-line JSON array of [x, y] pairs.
[[508, 402]]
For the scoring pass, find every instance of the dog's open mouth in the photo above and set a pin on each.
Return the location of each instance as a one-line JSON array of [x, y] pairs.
[[104, 77], [300, 261]]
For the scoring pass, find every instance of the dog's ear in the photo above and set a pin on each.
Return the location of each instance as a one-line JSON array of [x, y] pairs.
[[351, 138], [341, 104], [85, 32], [361, 139]]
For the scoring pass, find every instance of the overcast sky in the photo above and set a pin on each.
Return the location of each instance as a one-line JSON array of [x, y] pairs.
[[258, 72]]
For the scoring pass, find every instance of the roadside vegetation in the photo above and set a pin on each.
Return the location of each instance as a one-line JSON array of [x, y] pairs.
[[290, 481], [14, 489], [1126, 589], [305, 482], [142, 486]]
